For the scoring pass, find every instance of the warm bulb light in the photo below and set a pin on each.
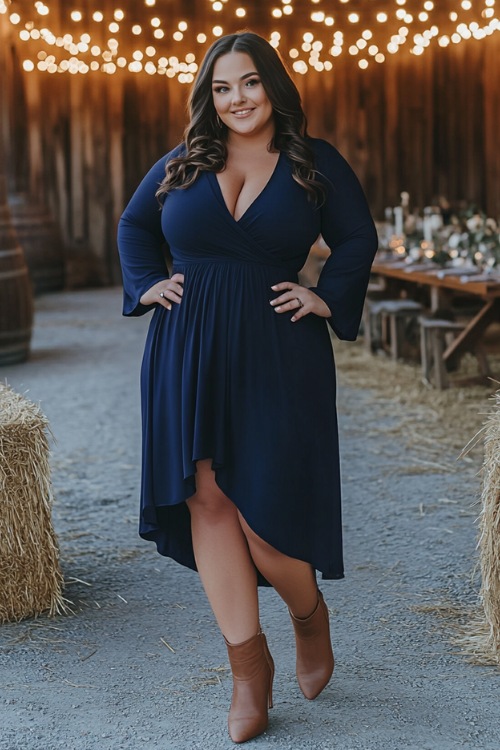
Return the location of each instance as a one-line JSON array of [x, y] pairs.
[[300, 67], [414, 16]]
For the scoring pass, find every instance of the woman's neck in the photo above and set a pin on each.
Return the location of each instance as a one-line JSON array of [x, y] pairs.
[[255, 143]]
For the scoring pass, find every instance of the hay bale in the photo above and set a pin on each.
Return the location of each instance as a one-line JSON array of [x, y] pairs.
[[30, 576], [489, 538], [481, 637]]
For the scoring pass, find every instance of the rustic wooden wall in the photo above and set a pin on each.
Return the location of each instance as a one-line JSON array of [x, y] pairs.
[[428, 125]]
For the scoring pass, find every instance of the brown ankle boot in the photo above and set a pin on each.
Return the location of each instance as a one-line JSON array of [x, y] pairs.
[[314, 650], [253, 671]]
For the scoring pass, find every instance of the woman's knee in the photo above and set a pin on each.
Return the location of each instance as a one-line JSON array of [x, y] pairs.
[[209, 500]]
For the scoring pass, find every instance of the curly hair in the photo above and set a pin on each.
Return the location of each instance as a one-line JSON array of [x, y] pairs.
[[205, 141]]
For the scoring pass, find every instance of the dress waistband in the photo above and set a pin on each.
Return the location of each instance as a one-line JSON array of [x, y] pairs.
[[178, 264]]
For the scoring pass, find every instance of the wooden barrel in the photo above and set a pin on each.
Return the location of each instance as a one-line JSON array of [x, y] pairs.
[[41, 241], [16, 297]]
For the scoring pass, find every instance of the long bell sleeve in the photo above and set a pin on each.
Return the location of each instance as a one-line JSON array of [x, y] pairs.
[[348, 229], [141, 241]]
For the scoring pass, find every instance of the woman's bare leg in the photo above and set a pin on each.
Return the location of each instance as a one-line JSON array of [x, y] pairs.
[[295, 582], [293, 579], [223, 558]]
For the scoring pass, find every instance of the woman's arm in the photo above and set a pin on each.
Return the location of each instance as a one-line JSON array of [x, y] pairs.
[[141, 241], [348, 230]]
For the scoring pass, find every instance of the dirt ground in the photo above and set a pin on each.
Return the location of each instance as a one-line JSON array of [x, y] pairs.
[[140, 663]]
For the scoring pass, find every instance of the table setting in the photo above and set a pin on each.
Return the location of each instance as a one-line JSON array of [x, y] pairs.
[[441, 240]]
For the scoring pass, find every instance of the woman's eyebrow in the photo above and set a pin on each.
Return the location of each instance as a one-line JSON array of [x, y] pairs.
[[247, 75]]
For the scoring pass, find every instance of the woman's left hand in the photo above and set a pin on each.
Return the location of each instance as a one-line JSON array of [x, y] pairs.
[[299, 300]]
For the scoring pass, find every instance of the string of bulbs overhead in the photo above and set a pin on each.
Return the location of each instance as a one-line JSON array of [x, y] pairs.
[[143, 37]]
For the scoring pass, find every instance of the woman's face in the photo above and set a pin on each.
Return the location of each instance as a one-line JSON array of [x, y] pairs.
[[239, 96]]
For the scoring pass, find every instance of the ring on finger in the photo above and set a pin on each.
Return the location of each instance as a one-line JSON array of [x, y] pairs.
[[301, 304], [162, 294]]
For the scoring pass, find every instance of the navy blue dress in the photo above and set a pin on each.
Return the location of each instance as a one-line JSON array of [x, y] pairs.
[[226, 377]]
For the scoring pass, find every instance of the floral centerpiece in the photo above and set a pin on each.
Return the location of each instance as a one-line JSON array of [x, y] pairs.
[[471, 237], [465, 237]]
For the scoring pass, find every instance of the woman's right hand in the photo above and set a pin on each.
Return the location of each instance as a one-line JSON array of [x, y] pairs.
[[165, 292]]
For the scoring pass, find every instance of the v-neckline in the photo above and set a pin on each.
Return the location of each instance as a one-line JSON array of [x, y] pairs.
[[252, 204]]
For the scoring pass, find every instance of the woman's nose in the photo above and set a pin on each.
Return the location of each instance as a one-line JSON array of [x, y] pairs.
[[238, 96]]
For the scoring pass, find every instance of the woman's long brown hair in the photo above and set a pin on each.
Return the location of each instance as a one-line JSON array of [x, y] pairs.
[[205, 140]]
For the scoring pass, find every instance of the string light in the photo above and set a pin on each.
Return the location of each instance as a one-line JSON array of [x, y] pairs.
[[360, 33]]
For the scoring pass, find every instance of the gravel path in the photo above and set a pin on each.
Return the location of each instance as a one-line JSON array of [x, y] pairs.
[[140, 664]]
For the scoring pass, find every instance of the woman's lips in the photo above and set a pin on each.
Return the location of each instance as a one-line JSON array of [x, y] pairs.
[[242, 112]]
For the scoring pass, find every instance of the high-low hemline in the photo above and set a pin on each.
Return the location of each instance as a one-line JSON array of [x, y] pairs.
[[158, 535]]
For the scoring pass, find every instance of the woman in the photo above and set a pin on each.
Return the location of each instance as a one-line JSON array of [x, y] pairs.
[[240, 476]]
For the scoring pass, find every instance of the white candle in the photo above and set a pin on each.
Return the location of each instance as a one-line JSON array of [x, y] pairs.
[[398, 220], [389, 229], [427, 227]]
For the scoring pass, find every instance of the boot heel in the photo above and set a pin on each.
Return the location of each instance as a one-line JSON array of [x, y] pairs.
[[270, 694]]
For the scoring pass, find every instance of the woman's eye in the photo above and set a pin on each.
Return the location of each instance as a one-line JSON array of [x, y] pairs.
[[252, 82], [220, 89]]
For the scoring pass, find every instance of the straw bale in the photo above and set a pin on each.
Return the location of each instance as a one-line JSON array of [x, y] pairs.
[[481, 636], [489, 531], [30, 576]]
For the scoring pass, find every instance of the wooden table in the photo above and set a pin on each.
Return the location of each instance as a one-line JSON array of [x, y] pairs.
[[443, 285]]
